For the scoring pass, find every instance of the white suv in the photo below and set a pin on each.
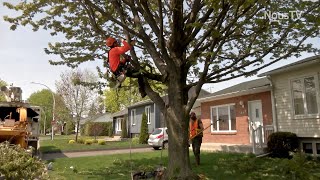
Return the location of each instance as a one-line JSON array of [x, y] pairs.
[[159, 138]]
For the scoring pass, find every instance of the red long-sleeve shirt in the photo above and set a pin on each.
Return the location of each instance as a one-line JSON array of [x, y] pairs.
[[114, 55]]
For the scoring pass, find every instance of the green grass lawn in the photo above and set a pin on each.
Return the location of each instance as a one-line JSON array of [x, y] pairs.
[[60, 143], [218, 166]]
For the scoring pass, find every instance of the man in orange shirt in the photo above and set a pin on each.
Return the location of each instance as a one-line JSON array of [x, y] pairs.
[[117, 58], [119, 62], [196, 134]]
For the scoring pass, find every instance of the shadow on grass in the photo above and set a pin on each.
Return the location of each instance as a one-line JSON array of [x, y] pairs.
[[121, 169], [50, 149]]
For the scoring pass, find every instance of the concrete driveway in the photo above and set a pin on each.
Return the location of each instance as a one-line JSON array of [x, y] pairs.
[[50, 156]]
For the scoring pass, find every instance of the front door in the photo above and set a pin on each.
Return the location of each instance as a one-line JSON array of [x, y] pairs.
[[118, 125], [255, 118]]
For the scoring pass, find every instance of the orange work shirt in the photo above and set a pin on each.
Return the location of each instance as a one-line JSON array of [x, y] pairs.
[[193, 128], [115, 53]]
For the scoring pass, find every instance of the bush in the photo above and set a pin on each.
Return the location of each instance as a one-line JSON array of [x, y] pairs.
[[124, 130], [81, 141], [101, 142], [16, 163], [88, 141], [98, 128], [94, 141], [281, 143], [144, 135], [135, 140], [69, 127], [72, 141]]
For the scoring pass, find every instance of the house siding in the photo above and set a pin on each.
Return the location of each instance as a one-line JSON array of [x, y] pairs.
[[286, 121], [135, 129], [242, 136]]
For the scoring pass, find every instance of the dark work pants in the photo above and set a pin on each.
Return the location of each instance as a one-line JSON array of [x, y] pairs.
[[196, 145]]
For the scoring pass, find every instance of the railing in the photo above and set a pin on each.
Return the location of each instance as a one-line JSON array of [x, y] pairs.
[[259, 136]]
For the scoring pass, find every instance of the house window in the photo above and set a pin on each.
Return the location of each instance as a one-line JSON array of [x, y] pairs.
[[119, 124], [148, 113], [304, 94], [307, 148], [223, 118], [318, 148], [133, 117]]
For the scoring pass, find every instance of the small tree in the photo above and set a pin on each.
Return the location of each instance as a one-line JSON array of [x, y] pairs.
[[143, 139], [97, 129], [77, 98], [124, 130]]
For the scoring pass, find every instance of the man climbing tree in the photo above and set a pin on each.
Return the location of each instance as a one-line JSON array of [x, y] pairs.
[[182, 44], [117, 59], [119, 62]]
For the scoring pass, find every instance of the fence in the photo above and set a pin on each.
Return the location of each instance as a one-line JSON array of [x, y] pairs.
[[260, 137]]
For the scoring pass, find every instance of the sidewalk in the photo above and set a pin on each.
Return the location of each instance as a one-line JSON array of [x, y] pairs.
[[50, 156]]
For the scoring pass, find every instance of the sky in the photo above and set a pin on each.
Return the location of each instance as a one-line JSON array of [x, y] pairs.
[[23, 60]]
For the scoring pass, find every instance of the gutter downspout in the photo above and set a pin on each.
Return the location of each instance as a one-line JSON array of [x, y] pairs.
[[273, 104]]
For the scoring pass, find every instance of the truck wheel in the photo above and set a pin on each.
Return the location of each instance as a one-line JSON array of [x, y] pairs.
[[156, 148]]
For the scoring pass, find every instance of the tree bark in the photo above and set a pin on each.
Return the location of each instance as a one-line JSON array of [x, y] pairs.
[[77, 131], [177, 120]]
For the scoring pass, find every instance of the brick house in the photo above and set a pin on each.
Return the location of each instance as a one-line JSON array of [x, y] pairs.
[[236, 111]]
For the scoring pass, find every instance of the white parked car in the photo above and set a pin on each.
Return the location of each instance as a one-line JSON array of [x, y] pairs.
[[159, 138]]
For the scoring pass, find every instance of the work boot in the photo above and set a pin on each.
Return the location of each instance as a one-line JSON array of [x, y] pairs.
[[121, 78]]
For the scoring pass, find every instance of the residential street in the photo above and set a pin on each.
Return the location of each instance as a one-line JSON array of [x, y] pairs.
[[50, 156]]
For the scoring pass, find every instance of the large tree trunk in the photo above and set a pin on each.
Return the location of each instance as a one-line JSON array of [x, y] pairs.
[[177, 120]]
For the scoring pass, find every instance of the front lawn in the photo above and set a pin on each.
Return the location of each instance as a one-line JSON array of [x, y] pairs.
[[213, 166], [60, 144]]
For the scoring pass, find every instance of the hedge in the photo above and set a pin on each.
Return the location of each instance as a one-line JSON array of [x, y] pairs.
[[281, 143], [98, 129]]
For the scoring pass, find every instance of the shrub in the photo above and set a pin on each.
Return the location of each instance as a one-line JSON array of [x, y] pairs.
[[81, 141], [72, 141], [110, 131], [135, 140], [88, 141], [94, 141], [101, 142], [124, 131], [281, 143], [16, 163], [98, 128], [69, 127], [144, 135]]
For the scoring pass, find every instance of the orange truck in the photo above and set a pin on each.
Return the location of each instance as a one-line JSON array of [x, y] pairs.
[[19, 121]]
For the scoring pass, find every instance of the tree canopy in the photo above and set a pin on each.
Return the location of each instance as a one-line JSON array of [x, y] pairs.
[[181, 44], [44, 99]]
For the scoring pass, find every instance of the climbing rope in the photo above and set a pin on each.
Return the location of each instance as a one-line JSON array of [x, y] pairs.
[[131, 172]]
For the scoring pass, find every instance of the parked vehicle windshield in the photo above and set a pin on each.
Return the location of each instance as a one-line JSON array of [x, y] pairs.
[[156, 131]]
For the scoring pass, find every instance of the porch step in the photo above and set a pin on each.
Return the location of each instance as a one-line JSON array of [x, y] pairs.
[[238, 148]]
